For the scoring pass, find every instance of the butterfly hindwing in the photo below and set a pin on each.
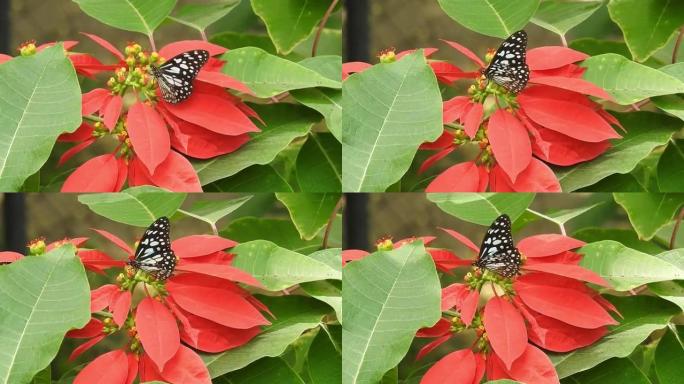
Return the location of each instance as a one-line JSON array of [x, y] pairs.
[[176, 75], [154, 254], [497, 252], [508, 67]]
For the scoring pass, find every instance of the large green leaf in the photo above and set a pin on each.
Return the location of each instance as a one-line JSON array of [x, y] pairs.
[[498, 18], [670, 171], [669, 356], [284, 123], [648, 212], [613, 371], [482, 208], [281, 232], [292, 316], [328, 102], [200, 16], [645, 131], [325, 357], [142, 16], [627, 81], [266, 370], [672, 291], [42, 298], [310, 212], [137, 206], [329, 292], [647, 25], [254, 179], [672, 104], [626, 237], [641, 316], [211, 211], [41, 99], [389, 110], [319, 164], [387, 297], [560, 16], [268, 75], [279, 268], [289, 22], [623, 267]]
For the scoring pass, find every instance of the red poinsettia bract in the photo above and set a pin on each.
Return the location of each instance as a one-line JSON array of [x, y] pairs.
[[200, 307], [547, 306], [154, 137]]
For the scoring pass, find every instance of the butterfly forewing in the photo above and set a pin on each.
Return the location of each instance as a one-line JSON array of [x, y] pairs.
[[497, 252], [154, 254], [176, 75], [508, 68]]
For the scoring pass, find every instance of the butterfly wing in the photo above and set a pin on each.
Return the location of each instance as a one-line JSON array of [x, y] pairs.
[[175, 76], [508, 67], [154, 254], [497, 252]]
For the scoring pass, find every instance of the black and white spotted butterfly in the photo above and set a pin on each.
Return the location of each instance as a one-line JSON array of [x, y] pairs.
[[508, 67], [497, 252], [175, 76], [154, 254]]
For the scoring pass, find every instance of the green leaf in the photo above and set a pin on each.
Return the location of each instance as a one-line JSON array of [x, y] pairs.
[[642, 315], [257, 178], [137, 206], [670, 172], [387, 297], [648, 212], [42, 100], [498, 18], [284, 123], [319, 167], [289, 22], [211, 211], [267, 370], [281, 232], [672, 291], [626, 237], [235, 40], [43, 377], [326, 291], [325, 357], [389, 110], [327, 102], [293, 315], [142, 16], [627, 81], [669, 356], [623, 267], [645, 132], [672, 104], [42, 298], [612, 371], [482, 208], [647, 25], [329, 66], [564, 215], [279, 268], [310, 212], [200, 16], [560, 16], [268, 75]]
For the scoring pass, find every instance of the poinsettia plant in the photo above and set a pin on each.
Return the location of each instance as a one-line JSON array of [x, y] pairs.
[[521, 116], [209, 110], [174, 303], [532, 308]]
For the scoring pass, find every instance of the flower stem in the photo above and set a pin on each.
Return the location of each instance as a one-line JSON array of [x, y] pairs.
[[673, 238], [324, 21], [204, 35], [565, 42], [93, 118], [151, 38], [331, 220], [543, 216], [675, 51]]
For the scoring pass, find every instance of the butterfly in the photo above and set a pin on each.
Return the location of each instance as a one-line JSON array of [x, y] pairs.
[[497, 252], [508, 67], [154, 254], [175, 76]]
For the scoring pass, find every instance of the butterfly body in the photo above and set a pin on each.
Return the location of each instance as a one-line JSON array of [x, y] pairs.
[[508, 67], [153, 254], [497, 252], [176, 75]]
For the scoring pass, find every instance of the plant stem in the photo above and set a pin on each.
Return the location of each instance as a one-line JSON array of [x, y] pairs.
[[151, 38], [673, 238], [543, 216], [565, 42], [328, 227], [675, 51], [324, 21], [204, 35]]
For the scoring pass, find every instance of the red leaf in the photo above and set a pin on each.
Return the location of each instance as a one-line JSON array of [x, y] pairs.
[[147, 370], [467, 52], [78, 351], [441, 328], [533, 366], [224, 81], [84, 132], [454, 109], [429, 347], [120, 306], [99, 174], [200, 245], [473, 119], [213, 113], [178, 47], [469, 307], [444, 141], [510, 143], [116, 240], [537, 177], [564, 258], [148, 134], [569, 270], [448, 73], [8, 256], [505, 330], [480, 366], [87, 65], [353, 67], [132, 368], [547, 245], [157, 331], [455, 368], [463, 177], [4, 58], [92, 329], [541, 58], [111, 111], [446, 260], [353, 255], [93, 101], [99, 260], [462, 239], [572, 306], [572, 84], [105, 44], [571, 119], [546, 92], [110, 368], [559, 149], [74, 150], [186, 367], [221, 271], [453, 296], [427, 52], [175, 174], [430, 161]]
